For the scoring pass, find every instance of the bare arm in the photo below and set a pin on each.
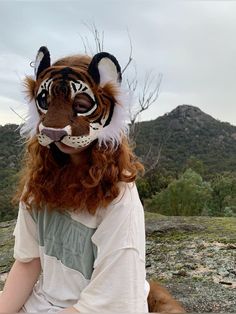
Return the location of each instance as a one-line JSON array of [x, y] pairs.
[[19, 285]]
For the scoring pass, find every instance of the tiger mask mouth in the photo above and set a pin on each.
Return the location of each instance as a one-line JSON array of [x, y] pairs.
[[77, 104]]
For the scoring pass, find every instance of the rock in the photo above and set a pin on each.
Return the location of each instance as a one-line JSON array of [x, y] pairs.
[[223, 272], [6, 249], [196, 262], [181, 272], [167, 226], [203, 297], [194, 257]]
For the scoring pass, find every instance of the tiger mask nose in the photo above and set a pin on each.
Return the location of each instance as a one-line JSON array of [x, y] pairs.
[[54, 134]]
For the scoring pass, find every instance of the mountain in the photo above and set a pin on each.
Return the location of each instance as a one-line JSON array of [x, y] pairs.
[[184, 132]]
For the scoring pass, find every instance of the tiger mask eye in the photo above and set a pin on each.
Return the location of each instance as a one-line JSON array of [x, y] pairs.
[[83, 104], [42, 100]]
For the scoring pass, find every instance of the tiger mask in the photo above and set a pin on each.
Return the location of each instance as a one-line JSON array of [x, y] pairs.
[[77, 100]]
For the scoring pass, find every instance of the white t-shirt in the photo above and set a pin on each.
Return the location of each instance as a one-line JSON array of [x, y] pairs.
[[94, 263]]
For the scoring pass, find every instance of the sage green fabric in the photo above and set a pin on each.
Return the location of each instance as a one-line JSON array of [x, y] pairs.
[[66, 239]]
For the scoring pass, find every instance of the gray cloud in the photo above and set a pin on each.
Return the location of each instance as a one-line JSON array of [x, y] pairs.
[[190, 42]]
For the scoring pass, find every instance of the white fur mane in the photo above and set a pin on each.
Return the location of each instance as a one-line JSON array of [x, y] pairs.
[[29, 128], [119, 124]]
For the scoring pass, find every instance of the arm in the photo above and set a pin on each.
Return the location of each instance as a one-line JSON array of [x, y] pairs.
[[19, 285], [118, 280], [117, 285]]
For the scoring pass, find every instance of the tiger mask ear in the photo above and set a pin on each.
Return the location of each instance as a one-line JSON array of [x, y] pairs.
[[42, 61], [104, 68]]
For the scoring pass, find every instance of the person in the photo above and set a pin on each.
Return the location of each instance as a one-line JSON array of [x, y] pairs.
[[79, 236]]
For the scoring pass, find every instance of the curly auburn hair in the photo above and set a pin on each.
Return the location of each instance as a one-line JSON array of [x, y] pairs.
[[52, 179]]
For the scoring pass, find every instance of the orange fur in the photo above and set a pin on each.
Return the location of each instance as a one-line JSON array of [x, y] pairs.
[[29, 85], [161, 301], [80, 61]]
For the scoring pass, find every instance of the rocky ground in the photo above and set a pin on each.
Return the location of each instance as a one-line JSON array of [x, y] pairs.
[[195, 257], [6, 249]]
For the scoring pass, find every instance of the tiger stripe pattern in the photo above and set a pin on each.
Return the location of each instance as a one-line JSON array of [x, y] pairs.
[[78, 102]]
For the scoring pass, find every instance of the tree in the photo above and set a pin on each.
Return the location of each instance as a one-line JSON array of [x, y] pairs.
[[223, 194], [153, 182], [145, 94], [186, 196], [8, 179], [196, 165]]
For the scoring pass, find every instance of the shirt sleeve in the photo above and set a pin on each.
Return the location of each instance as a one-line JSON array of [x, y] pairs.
[[26, 245], [118, 280], [117, 285]]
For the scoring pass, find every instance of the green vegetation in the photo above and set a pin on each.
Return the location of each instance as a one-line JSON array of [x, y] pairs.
[[223, 194], [187, 196], [190, 195], [10, 157]]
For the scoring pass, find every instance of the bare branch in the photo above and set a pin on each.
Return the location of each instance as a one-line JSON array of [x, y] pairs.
[[147, 96], [151, 163], [23, 119], [84, 42], [130, 54], [154, 163], [98, 39], [133, 84]]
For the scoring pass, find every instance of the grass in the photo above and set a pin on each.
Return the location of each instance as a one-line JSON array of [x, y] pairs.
[[220, 229]]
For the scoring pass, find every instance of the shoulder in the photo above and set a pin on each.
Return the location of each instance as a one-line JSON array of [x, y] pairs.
[[122, 223], [128, 196], [125, 204], [128, 193]]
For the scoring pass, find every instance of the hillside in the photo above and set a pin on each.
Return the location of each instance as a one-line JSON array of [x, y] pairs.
[[10, 146], [10, 156], [184, 132]]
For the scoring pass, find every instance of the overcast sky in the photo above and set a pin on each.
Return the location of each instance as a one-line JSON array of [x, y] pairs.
[[192, 43]]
